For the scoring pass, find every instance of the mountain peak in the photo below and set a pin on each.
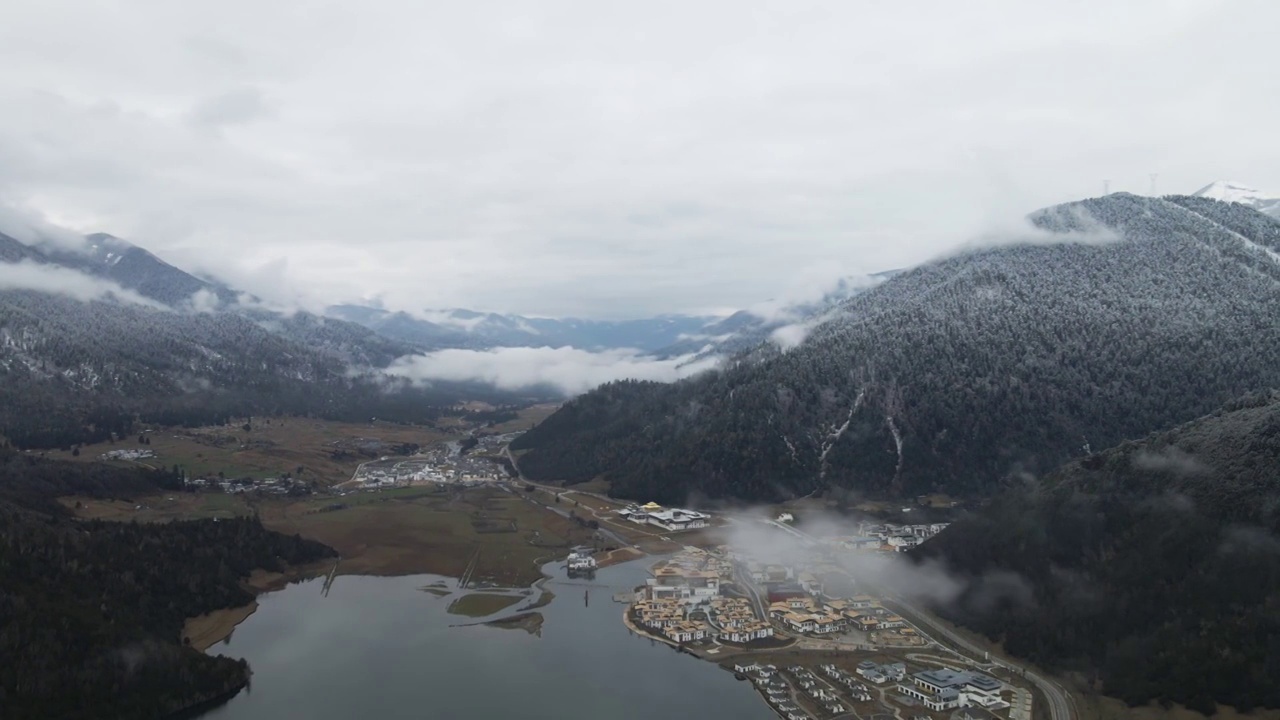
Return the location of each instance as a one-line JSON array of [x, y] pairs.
[[1228, 191], [1238, 192]]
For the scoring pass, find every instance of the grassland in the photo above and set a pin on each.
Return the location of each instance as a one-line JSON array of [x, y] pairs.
[[527, 418], [500, 537], [482, 604]]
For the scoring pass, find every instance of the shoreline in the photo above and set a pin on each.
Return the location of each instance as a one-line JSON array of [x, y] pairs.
[[205, 631]]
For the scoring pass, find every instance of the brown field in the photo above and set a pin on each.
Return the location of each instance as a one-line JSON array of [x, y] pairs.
[[425, 530], [272, 447], [482, 604], [528, 417]]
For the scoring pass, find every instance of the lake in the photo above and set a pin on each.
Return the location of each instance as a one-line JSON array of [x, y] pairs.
[[380, 647]]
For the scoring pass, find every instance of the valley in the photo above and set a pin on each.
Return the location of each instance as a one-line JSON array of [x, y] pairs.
[[895, 450]]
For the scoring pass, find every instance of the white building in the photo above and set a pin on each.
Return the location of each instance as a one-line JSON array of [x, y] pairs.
[[945, 689], [672, 519]]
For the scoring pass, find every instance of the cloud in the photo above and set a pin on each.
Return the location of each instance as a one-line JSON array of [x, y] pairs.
[[1171, 460], [30, 227], [203, 301], [811, 288], [570, 370], [234, 107], [790, 336], [928, 581], [1015, 228], [27, 275]]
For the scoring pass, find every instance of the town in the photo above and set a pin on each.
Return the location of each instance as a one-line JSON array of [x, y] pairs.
[[468, 462], [816, 642]]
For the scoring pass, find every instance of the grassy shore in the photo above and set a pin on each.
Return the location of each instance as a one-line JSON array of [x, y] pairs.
[[205, 631]]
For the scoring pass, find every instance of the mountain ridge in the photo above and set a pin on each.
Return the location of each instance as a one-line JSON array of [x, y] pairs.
[[1139, 564], [963, 371]]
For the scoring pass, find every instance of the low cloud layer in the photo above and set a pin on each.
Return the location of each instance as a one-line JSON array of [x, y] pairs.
[[872, 571], [1172, 460], [569, 370], [50, 279]]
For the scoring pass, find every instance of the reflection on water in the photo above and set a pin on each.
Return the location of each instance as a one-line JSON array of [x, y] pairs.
[[384, 648]]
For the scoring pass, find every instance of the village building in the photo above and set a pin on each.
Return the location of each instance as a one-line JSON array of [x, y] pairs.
[[945, 689], [879, 674], [672, 519]]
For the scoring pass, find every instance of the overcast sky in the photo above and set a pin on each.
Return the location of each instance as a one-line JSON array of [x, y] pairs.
[[606, 158]]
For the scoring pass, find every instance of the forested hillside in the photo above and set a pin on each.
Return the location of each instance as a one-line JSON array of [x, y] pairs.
[[1113, 317], [91, 613], [1153, 568]]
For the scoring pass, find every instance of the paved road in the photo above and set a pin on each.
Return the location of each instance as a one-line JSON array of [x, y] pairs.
[[743, 580], [1058, 699], [1060, 705]]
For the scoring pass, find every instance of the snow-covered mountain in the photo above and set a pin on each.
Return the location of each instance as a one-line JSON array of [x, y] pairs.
[[1237, 192], [963, 371]]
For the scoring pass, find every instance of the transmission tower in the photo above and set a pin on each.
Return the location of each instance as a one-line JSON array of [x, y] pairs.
[[1153, 183], [1106, 187]]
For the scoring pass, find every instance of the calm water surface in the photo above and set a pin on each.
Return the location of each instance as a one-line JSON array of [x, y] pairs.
[[381, 648]]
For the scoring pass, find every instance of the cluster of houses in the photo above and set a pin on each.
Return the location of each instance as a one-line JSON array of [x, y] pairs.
[[888, 537], [257, 486], [879, 674], [735, 621], [129, 454], [682, 602], [672, 519], [806, 614], [436, 466], [857, 690], [776, 692]]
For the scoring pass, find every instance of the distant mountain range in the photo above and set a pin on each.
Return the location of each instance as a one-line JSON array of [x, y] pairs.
[[663, 336], [1114, 317], [456, 328]]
